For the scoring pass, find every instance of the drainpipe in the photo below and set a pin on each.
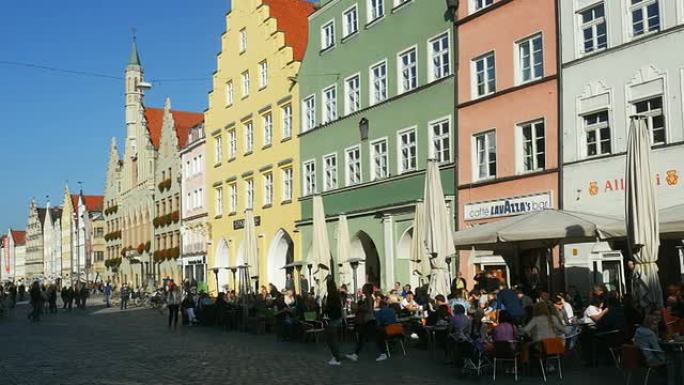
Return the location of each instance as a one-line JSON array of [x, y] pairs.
[[559, 111], [452, 9]]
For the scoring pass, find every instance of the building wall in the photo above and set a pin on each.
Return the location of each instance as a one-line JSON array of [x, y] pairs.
[[20, 261], [112, 211], [266, 41], [98, 247], [67, 234], [34, 244]]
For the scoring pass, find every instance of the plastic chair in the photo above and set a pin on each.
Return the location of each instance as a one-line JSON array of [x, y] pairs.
[[551, 348], [395, 332], [312, 326], [506, 351]]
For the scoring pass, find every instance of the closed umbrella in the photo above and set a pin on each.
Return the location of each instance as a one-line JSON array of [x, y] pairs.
[[343, 250], [419, 253], [321, 246], [439, 239], [642, 216], [251, 250]]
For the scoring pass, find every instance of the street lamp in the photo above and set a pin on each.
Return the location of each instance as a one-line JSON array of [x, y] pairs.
[[309, 266], [233, 269], [448, 262], [216, 273], [354, 262]]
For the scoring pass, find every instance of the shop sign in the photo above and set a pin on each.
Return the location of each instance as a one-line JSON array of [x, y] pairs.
[[507, 207], [668, 178], [240, 223]]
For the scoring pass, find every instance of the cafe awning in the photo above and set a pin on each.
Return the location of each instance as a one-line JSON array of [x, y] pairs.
[[671, 223]]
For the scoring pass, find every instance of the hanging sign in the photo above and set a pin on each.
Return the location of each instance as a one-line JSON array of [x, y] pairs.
[[507, 206]]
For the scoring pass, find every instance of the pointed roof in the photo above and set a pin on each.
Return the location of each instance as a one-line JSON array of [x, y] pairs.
[[184, 120], [19, 237], [292, 18], [92, 202], [134, 58]]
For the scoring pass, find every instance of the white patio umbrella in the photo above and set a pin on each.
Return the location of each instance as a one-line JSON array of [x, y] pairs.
[[643, 236], [439, 240], [321, 246], [343, 247], [251, 247], [419, 253]]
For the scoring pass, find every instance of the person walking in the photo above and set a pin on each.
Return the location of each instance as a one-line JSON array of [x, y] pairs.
[[22, 291], [13, 295], [36, 298], [124, 296], [365, 321], [52, 298], [173, 300], [85, 292], [333, 309], [64, 293], [70, 297], [77, 295], [108, 294]]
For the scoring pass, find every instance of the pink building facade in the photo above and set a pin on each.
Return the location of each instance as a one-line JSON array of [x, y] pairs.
[[507, 127]]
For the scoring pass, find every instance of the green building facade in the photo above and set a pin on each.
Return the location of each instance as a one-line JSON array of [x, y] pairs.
[[377, 101]]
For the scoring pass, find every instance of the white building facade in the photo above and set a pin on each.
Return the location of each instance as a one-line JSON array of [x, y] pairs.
[[52, 243], [619, 58]]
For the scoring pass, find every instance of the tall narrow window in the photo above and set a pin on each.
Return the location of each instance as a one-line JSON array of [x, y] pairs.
[[249, 193], [218, 149], [351, 21], [329, 104], [249, 137], [530, 59], [233, 198], [652, 109], [378, 74], [286, 114], [268, 129], [263, 74], [485, 153], [645, 16], [352, 92], [245, 83], [597, 132], [441, 141], [230, 93], [480, 4], [268, 189], [484, 72], [328, 35], [243, 40], [353, 166], [376, 9], [407, 151], [439, 53], [309, 112], [309, 177], [219, 200], [533, 146], [330, 172], [379, 166], [593, 27], [408, 71], [287, 184], [232, 144]]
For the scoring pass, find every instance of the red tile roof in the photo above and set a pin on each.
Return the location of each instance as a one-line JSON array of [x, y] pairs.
[[92, 202], [19, 237], [292, 17], [184, 121]]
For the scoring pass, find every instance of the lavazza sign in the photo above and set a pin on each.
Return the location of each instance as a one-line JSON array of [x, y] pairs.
[[507, 207]]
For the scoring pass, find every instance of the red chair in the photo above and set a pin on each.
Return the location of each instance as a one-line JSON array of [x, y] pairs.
[[506, 351], [551, 349], [395, 332]]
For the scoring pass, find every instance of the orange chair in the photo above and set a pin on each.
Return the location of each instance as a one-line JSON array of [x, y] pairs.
[[395, 332], [632, 358], [551, 348], [506, 351]]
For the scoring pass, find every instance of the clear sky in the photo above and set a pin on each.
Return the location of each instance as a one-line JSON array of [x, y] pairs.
[[55, 126]]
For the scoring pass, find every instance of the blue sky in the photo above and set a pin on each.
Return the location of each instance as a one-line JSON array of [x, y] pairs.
[[56, 127]]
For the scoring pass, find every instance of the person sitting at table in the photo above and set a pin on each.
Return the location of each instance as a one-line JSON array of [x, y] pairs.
[[460, 324], [394, 302], [383, 317], [409, 305], [406, 290], [613, 317], [565, 313], [594, 311], [505, 330], [543, 325], [508, 300], [457, 298], [646, 339], [441, 301]]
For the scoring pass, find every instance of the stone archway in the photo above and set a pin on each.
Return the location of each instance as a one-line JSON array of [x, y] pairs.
[[222, 261], [280, 254], [404, 250], [362, 246]]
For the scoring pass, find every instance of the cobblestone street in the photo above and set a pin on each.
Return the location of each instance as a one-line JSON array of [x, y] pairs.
[[106, 346]]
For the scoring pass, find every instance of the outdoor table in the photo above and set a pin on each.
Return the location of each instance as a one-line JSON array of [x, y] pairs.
[[431, 334], [674, 350]]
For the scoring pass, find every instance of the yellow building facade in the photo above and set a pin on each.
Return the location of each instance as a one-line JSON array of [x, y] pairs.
[[252, 147]]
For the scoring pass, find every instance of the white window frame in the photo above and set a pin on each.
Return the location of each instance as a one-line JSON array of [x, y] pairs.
[[374, 154], [268, 189], [643, 5], [478, 5], [375, 10], [433, 73], [249, 193], [597, 127], [309, 113], [245, 84], [267, 121], [249, 137], [286, 120], [233, 198], [381, 80], [475, 91], [330, 174], [348, 28], [352, 96], [350, 176], [218, 149], [263, 74], [476, 159], [398, 3], [535, 167], [218, 196], [432, 143], [401, 88], [243, 40], [232, 143], [309, 177], [400, 148], [329, 105], [328, 35], [519, 66], [230, 93], [651, 114], [593, 25], [287, 180]]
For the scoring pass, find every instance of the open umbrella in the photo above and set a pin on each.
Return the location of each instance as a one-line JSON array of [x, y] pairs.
[[419, 253], [343, 250], [438, 234], [251, 248], [643, 237], [321, 246]]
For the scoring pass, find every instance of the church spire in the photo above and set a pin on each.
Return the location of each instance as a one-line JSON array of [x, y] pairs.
[[134, 59]]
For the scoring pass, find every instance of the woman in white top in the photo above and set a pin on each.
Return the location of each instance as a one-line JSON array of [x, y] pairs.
[[593, 312]]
